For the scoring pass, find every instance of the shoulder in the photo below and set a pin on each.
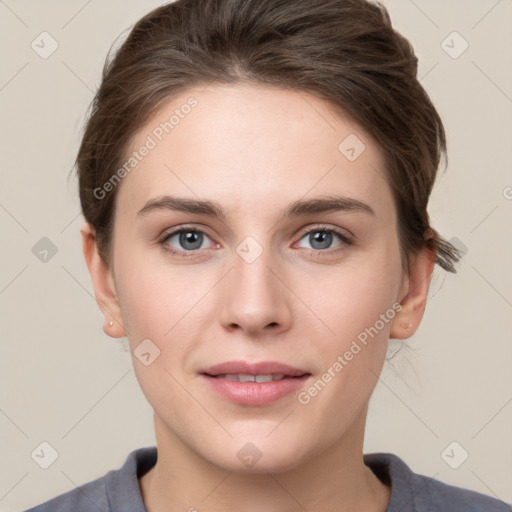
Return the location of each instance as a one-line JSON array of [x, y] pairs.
[[116, 490], [413, 492], [442, 496], [87, 497]]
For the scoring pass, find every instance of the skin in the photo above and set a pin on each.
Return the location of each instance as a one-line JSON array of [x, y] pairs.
[[255, 149]]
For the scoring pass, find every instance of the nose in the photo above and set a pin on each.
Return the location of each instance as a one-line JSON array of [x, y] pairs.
[[255, 298]]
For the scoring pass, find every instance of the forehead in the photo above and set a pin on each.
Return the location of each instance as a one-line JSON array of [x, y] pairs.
[[243, 144]]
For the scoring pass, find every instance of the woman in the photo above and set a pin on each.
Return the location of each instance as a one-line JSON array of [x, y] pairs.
[[291, 144]]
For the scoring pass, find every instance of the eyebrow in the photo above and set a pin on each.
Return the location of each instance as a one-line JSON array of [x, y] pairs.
[[298, 208]]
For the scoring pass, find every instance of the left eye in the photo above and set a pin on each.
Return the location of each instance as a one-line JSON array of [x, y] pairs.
[[321, 238]]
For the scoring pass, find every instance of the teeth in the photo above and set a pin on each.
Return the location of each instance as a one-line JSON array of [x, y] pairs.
[[263, 378], [242, 377]]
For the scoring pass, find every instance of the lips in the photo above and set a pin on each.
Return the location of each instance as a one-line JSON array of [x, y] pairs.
[[246, 368], [254, 384]]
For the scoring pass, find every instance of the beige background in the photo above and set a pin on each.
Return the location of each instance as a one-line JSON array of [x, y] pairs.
[[65, 382]]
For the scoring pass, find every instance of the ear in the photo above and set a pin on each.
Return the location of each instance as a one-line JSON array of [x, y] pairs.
[[414, 294], [103, 283]]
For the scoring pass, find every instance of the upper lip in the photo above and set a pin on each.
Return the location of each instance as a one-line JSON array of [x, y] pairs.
[[259, 368]]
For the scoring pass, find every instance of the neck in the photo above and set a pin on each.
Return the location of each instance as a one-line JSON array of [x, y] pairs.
[[335, 479]]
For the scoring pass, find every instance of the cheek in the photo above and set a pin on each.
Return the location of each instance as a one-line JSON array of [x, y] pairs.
[[162, 302], [359, 308], [359, 295], [157, 305]]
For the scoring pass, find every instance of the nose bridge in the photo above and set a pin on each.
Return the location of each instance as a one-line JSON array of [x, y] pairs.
[[252, 277]]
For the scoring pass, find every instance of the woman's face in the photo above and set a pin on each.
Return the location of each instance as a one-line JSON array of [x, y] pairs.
[[254, 289]]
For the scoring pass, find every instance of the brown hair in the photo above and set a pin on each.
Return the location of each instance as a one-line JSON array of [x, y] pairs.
[[343, 51]]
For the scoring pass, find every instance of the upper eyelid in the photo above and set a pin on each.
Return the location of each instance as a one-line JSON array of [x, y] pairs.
[[326, 227]]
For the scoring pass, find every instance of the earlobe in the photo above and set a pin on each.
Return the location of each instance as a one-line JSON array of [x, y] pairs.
[[103, 283], [413, 303]]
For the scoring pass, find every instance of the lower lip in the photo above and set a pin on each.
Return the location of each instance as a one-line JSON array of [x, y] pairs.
[[255, 393]]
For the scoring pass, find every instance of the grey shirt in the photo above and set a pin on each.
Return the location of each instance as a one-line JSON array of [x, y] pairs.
[[118, 490]]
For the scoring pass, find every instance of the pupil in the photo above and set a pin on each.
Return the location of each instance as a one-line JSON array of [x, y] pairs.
[[191, 237], [323, 237]]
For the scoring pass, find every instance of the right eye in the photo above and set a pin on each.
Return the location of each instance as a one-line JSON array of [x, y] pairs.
[[189, 240]]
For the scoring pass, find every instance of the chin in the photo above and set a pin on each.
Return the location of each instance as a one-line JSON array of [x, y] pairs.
[[258, 457]]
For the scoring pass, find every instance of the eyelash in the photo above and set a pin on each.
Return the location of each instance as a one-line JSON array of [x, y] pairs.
[[318, 252]]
